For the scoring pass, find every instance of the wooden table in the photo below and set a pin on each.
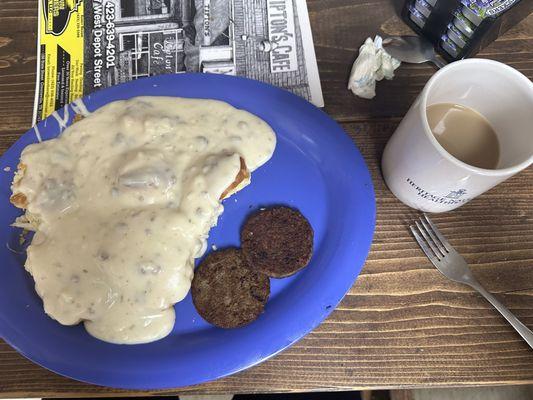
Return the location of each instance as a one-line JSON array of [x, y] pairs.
[[402, 324]]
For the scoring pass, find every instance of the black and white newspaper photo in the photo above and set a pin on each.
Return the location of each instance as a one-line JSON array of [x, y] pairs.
[[123, 40]]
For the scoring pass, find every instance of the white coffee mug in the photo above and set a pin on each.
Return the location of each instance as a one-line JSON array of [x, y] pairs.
[[422, 174]]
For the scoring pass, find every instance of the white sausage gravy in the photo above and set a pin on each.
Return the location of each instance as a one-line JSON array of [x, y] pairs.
[[122, 203]]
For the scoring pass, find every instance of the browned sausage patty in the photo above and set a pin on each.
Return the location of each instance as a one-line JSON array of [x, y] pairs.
[[277, 241], [227, 294]]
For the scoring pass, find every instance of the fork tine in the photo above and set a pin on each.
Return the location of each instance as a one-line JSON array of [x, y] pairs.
[[428, 240], [423, 245], [434, 239], [447, 246]]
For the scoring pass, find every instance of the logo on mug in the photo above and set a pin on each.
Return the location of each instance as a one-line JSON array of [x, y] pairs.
[[455, 194], [454, 197]]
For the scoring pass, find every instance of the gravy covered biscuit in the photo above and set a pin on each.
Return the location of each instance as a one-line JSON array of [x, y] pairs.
[[122, 203]]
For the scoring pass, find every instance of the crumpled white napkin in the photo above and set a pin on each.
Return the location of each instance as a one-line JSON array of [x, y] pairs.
[[372, 64]]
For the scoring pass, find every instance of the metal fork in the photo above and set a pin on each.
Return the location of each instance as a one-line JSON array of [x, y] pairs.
[[452, 265]]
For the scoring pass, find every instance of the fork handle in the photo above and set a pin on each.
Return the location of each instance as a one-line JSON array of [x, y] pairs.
[[523, 330]]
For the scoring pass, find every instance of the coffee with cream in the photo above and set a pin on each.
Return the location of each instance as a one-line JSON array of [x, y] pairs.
[[465, 134]]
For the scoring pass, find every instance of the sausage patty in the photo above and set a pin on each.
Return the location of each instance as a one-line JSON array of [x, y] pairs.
[[277, 241], [226, 293]]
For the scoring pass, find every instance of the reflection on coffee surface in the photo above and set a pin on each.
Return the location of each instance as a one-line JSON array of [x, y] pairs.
[[465, 134]]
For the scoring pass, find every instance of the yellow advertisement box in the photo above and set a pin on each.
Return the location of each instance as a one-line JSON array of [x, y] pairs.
[[60, 55]]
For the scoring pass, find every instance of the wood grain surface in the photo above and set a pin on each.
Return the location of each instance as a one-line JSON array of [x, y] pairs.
[[402, 324]]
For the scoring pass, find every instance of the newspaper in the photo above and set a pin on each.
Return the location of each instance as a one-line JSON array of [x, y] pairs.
[[86, 45]]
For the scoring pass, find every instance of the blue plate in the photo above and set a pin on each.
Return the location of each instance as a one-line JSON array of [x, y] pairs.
[[315, 168]]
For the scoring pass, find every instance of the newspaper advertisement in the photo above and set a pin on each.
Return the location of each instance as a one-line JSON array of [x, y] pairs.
[[87, 45]]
